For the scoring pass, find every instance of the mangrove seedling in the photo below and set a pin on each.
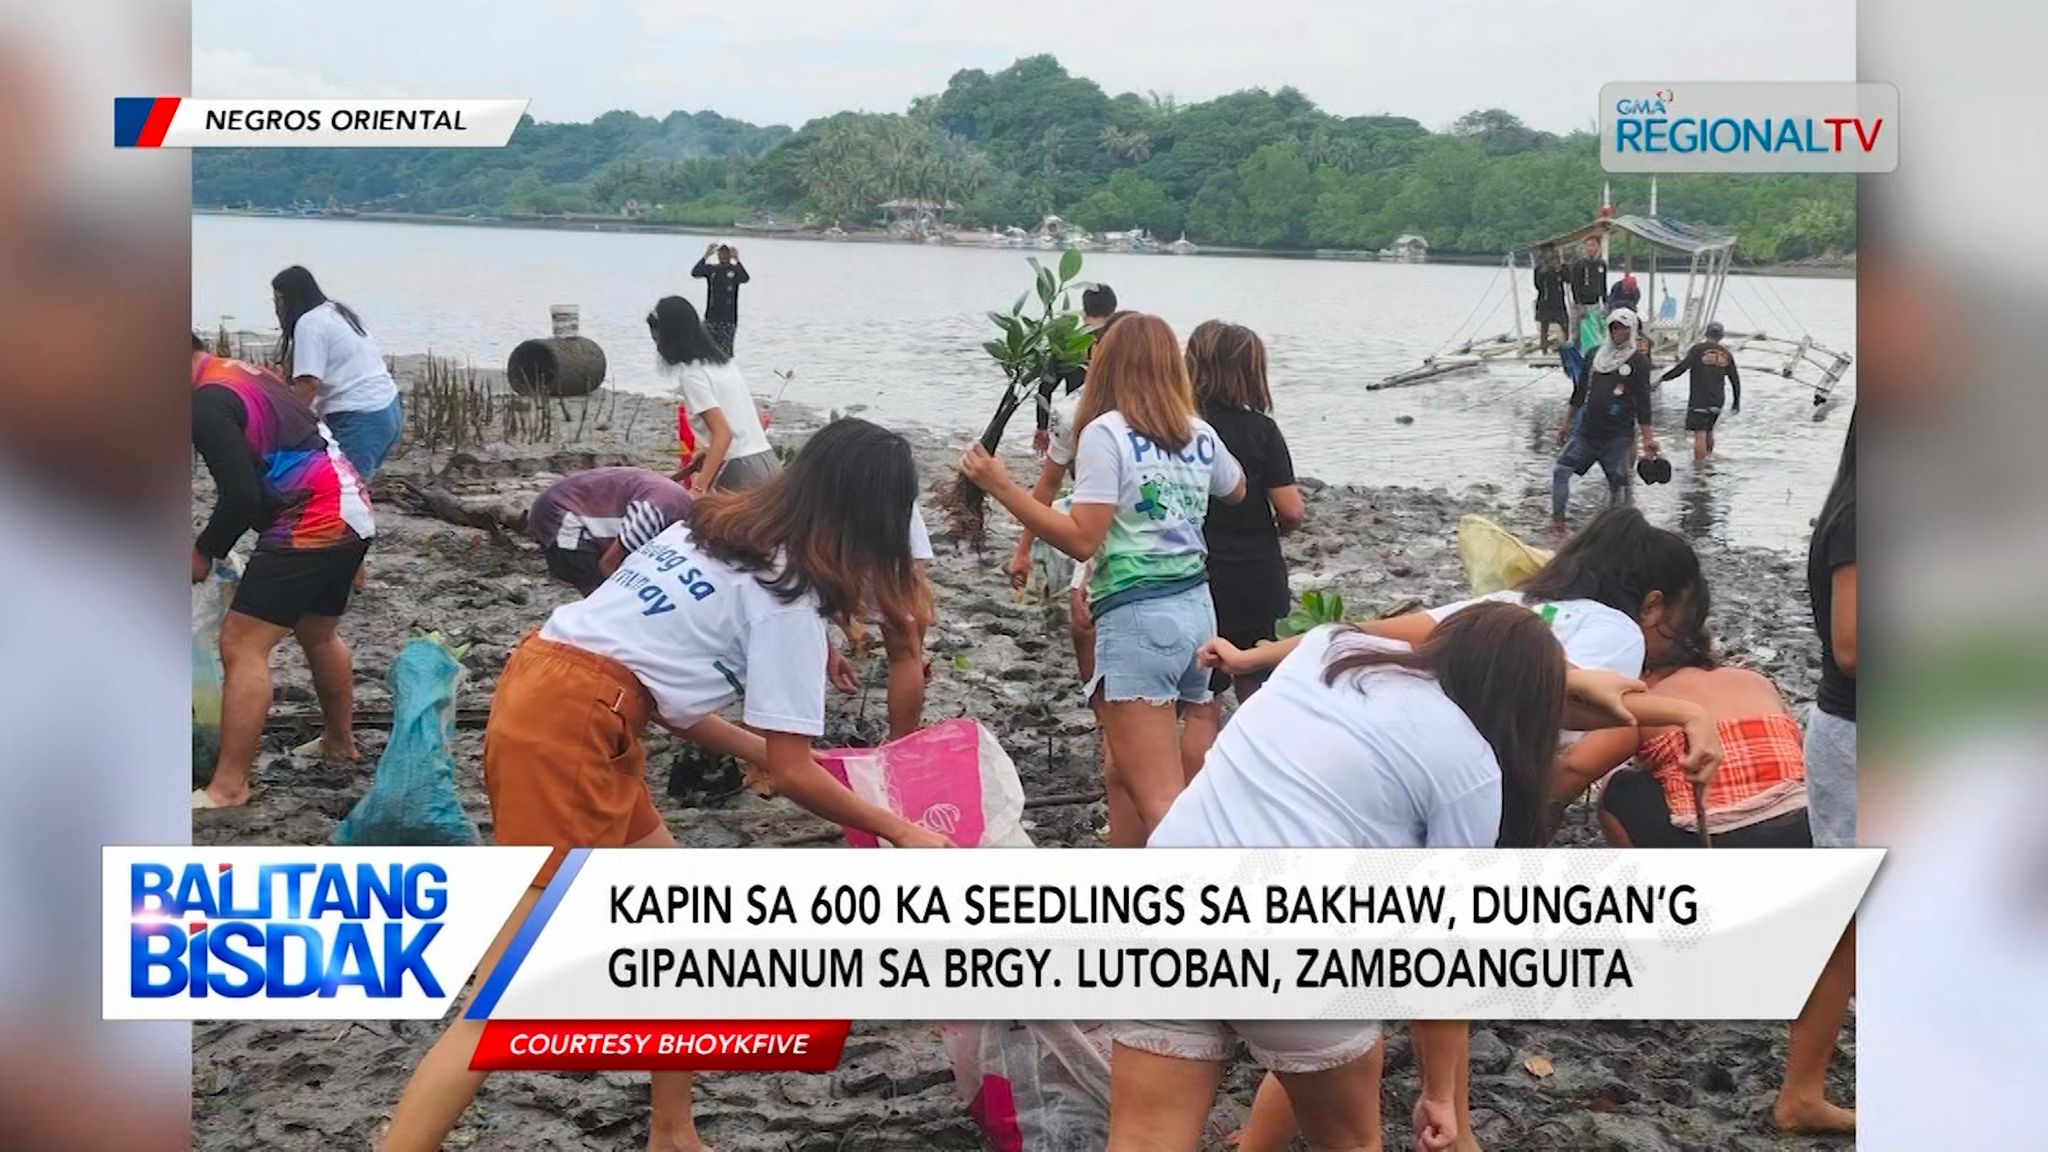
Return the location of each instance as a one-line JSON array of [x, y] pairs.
[[1317, 608], [1035, 351]]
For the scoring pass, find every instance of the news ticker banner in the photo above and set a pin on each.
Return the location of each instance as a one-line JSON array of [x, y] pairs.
[[183, 122], [1726, 126], [647, 936]]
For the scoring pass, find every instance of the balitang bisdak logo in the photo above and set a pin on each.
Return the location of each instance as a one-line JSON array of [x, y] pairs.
[[300, 933], [284, 930], [1739, 127]]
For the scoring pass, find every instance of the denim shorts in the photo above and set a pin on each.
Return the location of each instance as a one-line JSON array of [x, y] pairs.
[[1145, 649], [366, 438], [1830, 779]]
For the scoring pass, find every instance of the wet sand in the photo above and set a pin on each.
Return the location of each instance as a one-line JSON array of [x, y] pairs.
[[265, 1085]]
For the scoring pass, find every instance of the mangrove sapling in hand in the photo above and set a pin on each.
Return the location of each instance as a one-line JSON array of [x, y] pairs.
[[1035, 352]]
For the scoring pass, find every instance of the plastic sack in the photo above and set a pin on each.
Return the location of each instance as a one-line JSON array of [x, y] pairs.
[[413, 801], [1495, 558], [1592, 329], [210, 601], [953, 778], [1033, 1086]]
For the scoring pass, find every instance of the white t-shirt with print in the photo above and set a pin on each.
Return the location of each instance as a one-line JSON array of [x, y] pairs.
[[350, 366], [706, 386], [699, 634], [1380, 759], [1161, 498], [1592, 634]]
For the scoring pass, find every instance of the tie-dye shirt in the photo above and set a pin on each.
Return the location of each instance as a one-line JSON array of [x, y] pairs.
[[1155, 545], [277, 467]]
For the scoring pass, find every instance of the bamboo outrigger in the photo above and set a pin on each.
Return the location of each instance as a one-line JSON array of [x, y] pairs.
[[1670, 331]]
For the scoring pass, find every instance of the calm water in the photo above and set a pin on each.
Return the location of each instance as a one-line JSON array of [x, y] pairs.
[[898, 328]]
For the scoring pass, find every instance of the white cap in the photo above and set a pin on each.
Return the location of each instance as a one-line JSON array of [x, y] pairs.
[[1623, 316]]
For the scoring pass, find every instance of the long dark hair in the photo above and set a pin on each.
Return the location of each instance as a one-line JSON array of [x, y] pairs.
[[297, 294], [1502, 666], [680, 336], [1618, 560], [835, 523], [1841, 501]]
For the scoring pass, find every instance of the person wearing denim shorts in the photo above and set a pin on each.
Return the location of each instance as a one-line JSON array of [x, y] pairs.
[[1145, 468]]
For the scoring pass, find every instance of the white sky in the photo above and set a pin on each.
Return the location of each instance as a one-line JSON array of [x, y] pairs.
[[785, 61]]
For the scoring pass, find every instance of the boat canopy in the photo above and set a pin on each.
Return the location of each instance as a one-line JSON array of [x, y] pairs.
[[1659, 232]]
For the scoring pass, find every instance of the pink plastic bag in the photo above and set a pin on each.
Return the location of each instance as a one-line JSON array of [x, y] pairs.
[[953, 778]]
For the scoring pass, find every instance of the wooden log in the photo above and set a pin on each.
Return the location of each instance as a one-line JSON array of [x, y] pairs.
[[557, 366]]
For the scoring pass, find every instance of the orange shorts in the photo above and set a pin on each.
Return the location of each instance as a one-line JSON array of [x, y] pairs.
[[563, 765]]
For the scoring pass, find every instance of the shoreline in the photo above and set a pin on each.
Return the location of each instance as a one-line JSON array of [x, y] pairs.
[[311, 1085], [1799, 269]]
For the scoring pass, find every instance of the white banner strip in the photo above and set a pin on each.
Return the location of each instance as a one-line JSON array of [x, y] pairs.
[[343, 123], [1184, 934]]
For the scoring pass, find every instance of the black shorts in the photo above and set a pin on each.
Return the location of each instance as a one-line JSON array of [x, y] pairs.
[[1248, 606], [1701, 419], [282, 587], [1636, 800], [575, 567]]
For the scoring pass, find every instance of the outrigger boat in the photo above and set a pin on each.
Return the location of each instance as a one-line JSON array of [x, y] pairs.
[[1672, 324]]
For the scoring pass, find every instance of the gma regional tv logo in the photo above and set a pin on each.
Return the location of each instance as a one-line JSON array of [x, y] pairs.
[[1740, 127], [300, 933]]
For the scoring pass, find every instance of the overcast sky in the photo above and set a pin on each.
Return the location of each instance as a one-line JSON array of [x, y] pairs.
[[786, 62]]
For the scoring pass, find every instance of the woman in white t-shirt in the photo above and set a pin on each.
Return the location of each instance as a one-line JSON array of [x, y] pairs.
[[1620, 595], [730, 606], [1361, 742], [732, 447], [1145, 468], [336, 367]]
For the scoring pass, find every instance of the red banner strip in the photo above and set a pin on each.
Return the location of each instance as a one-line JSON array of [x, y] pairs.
[[159, 122], [659, 1046]]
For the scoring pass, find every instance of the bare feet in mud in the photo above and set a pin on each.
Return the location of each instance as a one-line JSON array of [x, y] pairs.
[[330, 749], [677, 1144], [1811, 1117]]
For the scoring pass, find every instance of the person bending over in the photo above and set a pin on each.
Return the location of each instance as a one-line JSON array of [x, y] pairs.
[[334, 364], [588, 522], [1358, 741], [280, 474], [732, 446], [732, 604]]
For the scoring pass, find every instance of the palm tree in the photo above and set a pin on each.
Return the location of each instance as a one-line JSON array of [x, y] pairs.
[[1134, 145]]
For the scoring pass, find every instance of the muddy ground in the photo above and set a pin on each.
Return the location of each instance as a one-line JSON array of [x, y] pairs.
[[269, 1085]]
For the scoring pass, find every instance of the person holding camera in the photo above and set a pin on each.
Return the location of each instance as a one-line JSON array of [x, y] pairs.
[[722, 291]]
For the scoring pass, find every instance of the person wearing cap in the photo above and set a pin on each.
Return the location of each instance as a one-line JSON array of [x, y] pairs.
[[1714, 377], [1610, 401]]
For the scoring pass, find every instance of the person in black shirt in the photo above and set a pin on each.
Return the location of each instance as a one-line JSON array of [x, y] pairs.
[[1626, 293], [1550, 298], [1098, 304], [1831, 728], [722, 292], [1587, 279], [1247, 571], [1713, 375], [1609, 402]]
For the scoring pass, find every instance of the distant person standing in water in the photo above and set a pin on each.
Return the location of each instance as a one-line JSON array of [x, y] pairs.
[[1098, 304], [722, 292], [1550, 298], [1587, 279], [1713, 376], [334, 366]]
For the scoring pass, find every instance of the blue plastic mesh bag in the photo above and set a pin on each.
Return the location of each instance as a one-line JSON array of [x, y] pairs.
[[412, 801]]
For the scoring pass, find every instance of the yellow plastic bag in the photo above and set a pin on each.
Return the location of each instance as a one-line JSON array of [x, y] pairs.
[[1495, 559]]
